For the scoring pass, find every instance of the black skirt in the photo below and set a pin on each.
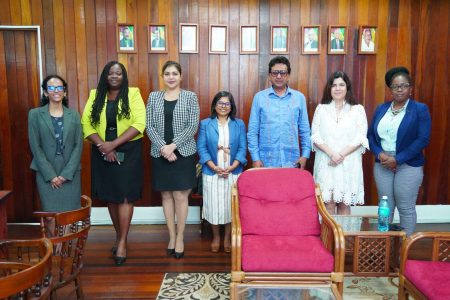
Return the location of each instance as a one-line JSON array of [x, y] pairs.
[[114, 183], [173, 176]]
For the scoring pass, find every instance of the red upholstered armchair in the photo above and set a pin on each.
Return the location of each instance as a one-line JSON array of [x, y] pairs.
[[426, 279], [276, 233]]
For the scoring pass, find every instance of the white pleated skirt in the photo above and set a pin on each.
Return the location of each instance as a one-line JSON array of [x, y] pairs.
[[217, 198]]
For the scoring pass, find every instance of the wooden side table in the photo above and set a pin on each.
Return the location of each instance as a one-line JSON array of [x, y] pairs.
[[374, 253], [3, 216]]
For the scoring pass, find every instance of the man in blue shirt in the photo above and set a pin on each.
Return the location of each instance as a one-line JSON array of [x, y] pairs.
[[277, 118]]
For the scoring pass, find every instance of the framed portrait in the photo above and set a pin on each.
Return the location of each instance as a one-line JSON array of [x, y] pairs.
[[218, 39], [368, 39], [157, 38], [311, 39], [279, 39], [249, 39], [337, 39], [188, 38], [126, 42]]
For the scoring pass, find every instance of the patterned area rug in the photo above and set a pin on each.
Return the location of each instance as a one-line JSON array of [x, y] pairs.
[[215, 286]]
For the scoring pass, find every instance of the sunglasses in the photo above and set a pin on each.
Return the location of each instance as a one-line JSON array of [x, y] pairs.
[[53, 89]]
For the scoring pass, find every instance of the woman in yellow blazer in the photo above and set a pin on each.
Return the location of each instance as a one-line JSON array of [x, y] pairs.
[[113, 121]]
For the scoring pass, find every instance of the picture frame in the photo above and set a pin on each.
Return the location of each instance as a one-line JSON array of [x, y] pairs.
[[188, 38], [249, 39], [218, 39], [337, 45], [279, 39], [126, 38], [311, 37], [157, 38], [367, 39]]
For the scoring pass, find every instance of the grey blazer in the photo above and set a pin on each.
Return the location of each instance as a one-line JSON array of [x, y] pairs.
[[185, 122], [41, 135]]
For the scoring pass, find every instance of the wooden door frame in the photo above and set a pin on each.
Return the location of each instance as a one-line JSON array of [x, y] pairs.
[[38, 31]]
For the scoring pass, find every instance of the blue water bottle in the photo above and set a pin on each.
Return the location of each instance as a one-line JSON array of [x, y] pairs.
[[383, 214]]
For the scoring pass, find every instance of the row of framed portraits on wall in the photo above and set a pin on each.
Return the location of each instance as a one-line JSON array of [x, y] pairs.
[[249, 39]]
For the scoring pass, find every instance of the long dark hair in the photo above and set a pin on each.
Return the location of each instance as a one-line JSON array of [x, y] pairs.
[[102, 90], [216, 99], [44, 98], [349, 98]]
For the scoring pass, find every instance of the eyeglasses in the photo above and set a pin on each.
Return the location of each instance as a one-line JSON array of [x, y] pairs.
[[223, 104], [53, 89], [281, 73], [402, 86]]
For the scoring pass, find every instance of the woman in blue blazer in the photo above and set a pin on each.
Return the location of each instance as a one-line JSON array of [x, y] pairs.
[[222, 147], [398, 134]]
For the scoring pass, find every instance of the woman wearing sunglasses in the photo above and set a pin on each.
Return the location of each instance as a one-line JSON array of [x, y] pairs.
[[55, 137]]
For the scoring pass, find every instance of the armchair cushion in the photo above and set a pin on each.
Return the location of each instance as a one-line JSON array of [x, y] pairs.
[[265, 210], [429, 277], [285, 254]]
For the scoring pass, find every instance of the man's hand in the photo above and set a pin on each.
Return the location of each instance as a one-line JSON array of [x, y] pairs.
[[257, 164], [301, 162]]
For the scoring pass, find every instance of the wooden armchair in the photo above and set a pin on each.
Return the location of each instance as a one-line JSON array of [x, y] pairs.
[[25, 269], [276, 233], [426, 279], [69, 239]]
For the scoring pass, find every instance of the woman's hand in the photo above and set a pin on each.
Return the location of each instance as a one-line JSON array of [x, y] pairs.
[[172, 157], [56, 183], [106, 147], [335, 159], [111, 157], [388, 161], [62, 179], [167, 150], [221, 172]]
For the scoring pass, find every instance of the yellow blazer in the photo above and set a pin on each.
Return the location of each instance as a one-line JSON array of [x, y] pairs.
[[136, 120]]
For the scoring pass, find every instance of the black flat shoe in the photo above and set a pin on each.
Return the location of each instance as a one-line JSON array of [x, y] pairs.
[[114, 250], [120, 260], [170, 252], [179, 255]]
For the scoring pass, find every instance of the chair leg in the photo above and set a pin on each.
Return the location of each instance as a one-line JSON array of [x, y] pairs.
[[340, 287], [78, 288], [401, 288]]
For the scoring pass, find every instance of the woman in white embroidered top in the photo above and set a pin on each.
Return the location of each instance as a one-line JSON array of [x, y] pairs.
[[339, 129], [222, 147]]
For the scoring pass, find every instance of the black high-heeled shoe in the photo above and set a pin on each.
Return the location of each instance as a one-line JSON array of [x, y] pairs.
[[179, 255], [170, 252], [120, 260], [114, 250]]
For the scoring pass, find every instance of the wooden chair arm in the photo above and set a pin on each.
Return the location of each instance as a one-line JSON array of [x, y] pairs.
[[331, 235], [436, 237], [236, 232], [44, 214]]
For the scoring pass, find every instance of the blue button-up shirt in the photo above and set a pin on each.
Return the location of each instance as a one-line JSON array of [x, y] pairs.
[[275, 125]]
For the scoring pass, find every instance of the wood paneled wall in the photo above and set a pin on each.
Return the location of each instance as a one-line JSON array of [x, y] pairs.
[[79, 37]]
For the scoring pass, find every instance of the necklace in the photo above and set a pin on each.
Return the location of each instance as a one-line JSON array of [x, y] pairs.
[[394, 111]]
